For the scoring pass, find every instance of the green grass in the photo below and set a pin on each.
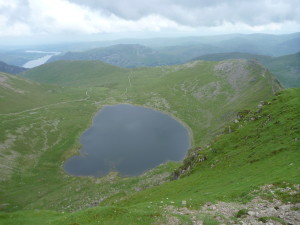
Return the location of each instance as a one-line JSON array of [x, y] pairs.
[[18, 94], [38, 141], [241, 166], [241, 213]]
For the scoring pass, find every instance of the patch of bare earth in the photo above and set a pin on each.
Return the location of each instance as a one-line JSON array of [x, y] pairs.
[[257, 211]]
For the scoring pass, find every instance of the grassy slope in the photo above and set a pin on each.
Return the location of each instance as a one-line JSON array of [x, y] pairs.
[[202, 95], [76, 73], [18, 94], [261, 151], [285, 68]]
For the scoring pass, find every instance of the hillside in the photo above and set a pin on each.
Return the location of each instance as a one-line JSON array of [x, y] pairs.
[[76, 73], [285, 68], [18, 94], [245, 175], [123, 55], [35, 142], [5, 68]]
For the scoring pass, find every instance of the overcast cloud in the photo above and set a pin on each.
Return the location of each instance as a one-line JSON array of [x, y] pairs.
[[58, 17], [201, 12]]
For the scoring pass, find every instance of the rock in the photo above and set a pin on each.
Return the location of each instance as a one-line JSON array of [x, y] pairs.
[[183, 202], [251, 213], [188, 169]]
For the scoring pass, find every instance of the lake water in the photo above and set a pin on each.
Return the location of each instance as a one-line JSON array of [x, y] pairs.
[[39, 61], [128, 139]]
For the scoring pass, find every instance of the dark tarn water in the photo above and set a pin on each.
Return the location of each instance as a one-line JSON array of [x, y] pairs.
[[130, 140]]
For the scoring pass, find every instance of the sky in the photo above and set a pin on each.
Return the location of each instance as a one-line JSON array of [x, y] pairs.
[[45, 20]]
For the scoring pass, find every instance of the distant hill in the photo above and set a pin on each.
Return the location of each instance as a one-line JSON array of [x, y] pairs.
[[285, 68], [123, 55], [170, 51], [5, 68], [19, 57], [132, 53], [233, 55]]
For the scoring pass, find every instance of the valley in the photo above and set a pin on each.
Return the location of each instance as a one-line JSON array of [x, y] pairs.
[[40, 134]]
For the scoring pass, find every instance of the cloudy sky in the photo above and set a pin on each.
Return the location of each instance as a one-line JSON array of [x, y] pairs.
[[78, 18]]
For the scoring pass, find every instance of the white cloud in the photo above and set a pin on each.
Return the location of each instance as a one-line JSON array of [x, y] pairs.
[[202, 12], [72, 17], [60, 16]]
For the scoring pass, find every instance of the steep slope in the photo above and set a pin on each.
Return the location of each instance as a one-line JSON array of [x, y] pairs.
[[5, 68], [123, 55], [285, 68], [252, 167], [261, 149], [18, 94]]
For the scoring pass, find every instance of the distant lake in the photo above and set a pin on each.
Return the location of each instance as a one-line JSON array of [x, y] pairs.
[[39, 61], [128, 139]]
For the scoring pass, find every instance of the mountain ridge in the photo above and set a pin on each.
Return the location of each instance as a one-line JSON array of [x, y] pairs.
[[285, 68], [6, 68]]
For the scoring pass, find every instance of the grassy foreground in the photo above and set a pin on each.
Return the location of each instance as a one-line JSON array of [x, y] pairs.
[[261, 151]]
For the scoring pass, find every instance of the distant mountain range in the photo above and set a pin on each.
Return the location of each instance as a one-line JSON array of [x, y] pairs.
[[285, 68], [123, 55], [169, 51], [5, 68]]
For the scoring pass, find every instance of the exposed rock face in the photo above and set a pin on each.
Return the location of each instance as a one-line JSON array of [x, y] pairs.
[[257, 211], [241, 72], [194, 157]]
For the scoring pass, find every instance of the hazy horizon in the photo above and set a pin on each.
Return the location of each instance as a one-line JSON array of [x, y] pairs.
[[35, 22]]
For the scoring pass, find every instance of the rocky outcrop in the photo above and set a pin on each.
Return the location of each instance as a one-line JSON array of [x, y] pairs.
[[194, 157], [258, 211]]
